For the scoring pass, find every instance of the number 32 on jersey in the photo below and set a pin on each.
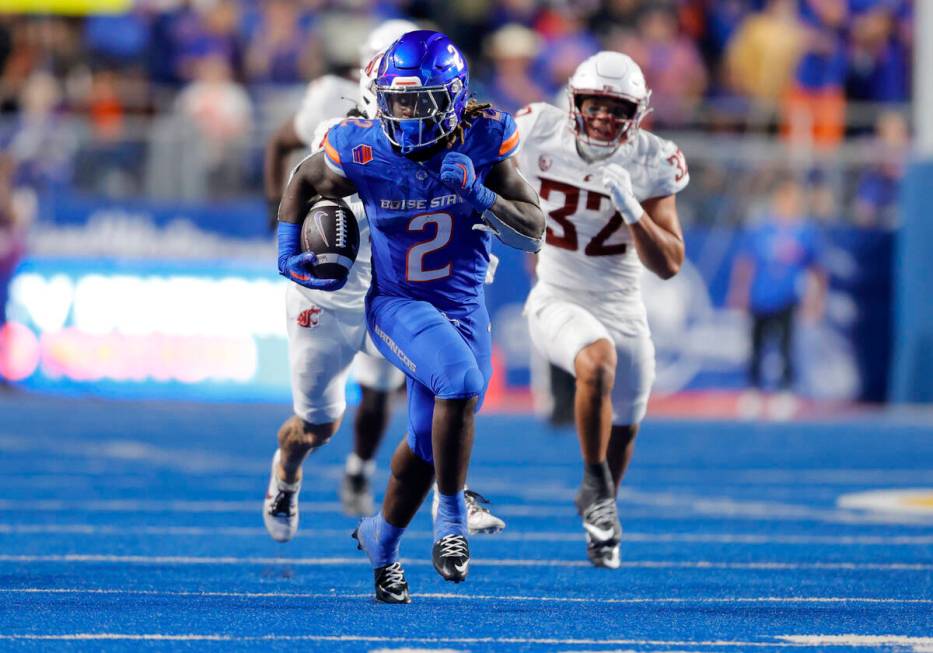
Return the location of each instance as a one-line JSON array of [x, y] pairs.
[[567, 238]]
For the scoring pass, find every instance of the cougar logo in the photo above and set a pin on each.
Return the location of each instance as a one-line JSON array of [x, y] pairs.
[[544, 163], [310, 317]]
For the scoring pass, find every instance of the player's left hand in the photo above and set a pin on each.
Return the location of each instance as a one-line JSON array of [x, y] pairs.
[[618, 182], [458, 174]]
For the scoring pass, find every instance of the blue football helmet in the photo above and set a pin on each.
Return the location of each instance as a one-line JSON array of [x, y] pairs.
[[421, 89]]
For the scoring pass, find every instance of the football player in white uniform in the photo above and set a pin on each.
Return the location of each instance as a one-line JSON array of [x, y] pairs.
[[608, 188], [327, 329]]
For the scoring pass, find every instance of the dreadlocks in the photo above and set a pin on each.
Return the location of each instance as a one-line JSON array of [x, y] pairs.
[[473, 110]]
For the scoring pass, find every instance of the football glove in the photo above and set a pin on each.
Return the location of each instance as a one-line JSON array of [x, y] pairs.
[[618, 182], [458, 174], [298, 266]]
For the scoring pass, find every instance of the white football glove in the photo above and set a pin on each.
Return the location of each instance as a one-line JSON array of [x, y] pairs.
[[618, 182]]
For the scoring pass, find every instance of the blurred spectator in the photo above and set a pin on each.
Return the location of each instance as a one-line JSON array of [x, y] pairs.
[[770, 278], [38, 142], [671, 63], [511, 50], [878, 187], [183, 36], [217, 113], [277, 44], [506, 12], [117, 40], [567, 44], [110, 161], [878, 63], [815, 108], [12, 246], [762, 57]]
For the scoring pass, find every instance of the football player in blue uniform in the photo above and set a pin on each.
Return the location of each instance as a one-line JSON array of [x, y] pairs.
[[435, 176]]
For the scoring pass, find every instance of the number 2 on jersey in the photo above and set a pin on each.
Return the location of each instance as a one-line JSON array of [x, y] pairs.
[[414, 261], [567, 238]]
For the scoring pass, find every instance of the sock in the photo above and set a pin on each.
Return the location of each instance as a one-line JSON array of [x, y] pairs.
[[597, 479], [451, 515], [356, 466], [281, 485], [387, 538]]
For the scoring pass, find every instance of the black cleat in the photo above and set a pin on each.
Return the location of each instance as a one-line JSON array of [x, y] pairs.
[[451, 556], [603, 530], [391, 586]]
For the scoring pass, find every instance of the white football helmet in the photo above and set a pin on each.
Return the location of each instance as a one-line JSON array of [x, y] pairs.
[[613, 75], [371, 51]]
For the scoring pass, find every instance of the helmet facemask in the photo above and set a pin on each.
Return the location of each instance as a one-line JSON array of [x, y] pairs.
[[415, 116], [605, 123]]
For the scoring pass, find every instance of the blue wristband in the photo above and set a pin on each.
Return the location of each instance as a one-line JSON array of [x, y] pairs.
[[289, 236]]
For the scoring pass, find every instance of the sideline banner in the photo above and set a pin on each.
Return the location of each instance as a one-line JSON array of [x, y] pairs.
[[214, 329]]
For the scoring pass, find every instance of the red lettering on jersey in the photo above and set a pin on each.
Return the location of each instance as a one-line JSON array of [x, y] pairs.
[[568, 238], [678, 160]]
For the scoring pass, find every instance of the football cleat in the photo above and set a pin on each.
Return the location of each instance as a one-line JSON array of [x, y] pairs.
[[451, 557], [389, 579], [391, 586], [602, 528], [356, 496], [479, 519], [280, 507], [603, 556]]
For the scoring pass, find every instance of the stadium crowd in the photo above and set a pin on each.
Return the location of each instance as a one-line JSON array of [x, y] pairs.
[[202, 82]]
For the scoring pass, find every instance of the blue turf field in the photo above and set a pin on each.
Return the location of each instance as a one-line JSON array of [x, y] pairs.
[[130, 524]]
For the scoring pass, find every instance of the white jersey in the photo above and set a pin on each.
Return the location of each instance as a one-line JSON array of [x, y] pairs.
[[328, 96], [353, 294], [588, 245]]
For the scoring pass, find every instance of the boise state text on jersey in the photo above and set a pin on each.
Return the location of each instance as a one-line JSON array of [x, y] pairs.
[[423, 242]]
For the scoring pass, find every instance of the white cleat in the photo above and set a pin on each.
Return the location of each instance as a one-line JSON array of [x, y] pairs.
[[479, 519], [280, 508]]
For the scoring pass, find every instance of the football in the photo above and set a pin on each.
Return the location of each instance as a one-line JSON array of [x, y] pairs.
[[330, 231]]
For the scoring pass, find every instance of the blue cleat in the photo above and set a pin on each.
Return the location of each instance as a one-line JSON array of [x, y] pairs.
[[388, 575]]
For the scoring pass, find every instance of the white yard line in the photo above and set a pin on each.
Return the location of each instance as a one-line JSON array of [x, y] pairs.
[[506, 536], [339, 561], [479, 597]]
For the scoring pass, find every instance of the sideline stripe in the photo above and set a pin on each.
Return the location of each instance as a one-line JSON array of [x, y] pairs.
[[541, 536], [337, 561], [481, 597]]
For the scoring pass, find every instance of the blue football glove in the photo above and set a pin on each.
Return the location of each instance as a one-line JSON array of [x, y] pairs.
[[458, 174], [298, 266]]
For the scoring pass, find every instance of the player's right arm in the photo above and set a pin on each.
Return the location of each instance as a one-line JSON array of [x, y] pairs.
[[311, 178]]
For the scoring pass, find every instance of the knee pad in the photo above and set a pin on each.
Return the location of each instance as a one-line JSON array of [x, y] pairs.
[[462, 382]]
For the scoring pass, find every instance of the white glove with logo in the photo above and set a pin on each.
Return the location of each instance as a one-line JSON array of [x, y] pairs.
[[618, 182]]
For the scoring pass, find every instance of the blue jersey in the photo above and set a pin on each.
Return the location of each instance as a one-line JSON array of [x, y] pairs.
[[423, 242], [782, 254]]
